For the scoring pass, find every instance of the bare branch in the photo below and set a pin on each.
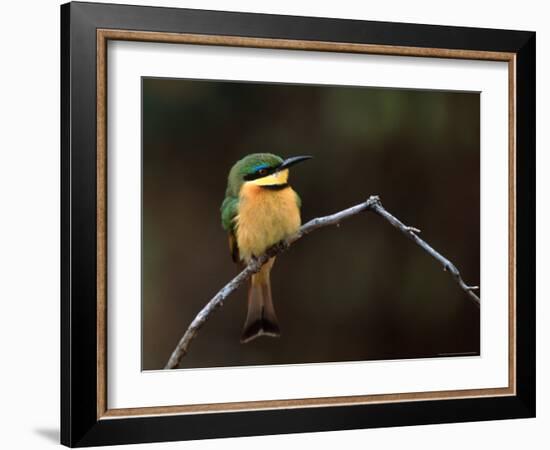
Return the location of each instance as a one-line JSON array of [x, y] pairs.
[[372, 204], [411, 234]]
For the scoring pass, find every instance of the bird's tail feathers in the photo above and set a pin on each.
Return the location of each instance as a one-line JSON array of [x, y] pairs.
[[260, 319]]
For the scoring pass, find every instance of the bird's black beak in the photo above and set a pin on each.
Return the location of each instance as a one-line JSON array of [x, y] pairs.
[[292, 161]]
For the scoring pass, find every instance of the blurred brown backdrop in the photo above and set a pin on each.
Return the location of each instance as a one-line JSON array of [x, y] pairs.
[[358, 292]]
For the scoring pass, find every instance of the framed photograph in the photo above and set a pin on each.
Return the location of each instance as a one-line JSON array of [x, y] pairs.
[[277, 224]]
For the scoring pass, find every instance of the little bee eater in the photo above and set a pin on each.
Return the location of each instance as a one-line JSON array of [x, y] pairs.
[[259, 210]]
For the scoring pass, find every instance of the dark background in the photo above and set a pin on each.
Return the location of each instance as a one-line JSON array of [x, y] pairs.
[[358, 292]]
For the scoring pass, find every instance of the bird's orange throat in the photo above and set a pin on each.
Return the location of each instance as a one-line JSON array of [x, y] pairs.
[[266, 216]]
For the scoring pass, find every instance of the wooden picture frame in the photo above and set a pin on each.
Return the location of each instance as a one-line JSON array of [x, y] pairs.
[[86, 418]]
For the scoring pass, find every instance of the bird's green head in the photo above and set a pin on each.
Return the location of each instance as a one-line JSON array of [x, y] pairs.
[[262, 169]]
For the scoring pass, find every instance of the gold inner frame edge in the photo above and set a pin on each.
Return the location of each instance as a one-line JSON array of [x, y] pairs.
[[103, 36]]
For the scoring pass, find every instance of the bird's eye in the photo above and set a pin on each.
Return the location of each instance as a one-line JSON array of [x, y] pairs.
[[262, 172]]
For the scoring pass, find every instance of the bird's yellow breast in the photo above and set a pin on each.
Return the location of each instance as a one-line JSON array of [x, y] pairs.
[[265, 217]]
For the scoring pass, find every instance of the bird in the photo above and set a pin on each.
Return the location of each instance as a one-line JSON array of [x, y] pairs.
[[259, 210]]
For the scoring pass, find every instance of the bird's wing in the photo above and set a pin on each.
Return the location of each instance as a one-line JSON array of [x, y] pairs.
[[298, 200], [234, 248], [229, 210]]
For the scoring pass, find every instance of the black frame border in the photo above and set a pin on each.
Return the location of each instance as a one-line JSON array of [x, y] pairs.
[[79, 423]]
